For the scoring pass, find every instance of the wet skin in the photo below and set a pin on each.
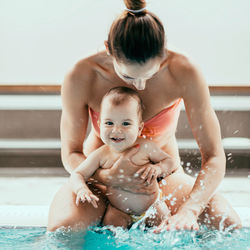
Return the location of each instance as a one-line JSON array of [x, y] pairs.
[[176, 77]]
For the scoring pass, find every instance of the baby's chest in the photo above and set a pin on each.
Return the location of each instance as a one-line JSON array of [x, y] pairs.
[[140, 158], [108, 162]]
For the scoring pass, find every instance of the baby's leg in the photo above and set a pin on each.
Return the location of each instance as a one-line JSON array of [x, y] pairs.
[[116, 217], [162, 213]]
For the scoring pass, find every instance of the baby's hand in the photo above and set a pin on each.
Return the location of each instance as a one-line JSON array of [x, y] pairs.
[[149, 173], [84, 194]]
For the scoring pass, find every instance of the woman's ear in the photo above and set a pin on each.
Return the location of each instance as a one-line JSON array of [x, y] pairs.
[[107, 47], [141, 126]]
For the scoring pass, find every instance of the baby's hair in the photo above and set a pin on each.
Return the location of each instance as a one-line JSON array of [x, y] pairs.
[[136, 37], [121, 95]]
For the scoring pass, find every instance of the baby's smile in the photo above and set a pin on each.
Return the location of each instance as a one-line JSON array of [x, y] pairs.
[[117, 139]]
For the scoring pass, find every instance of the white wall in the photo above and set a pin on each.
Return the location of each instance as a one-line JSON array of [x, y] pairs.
[[40, 40]]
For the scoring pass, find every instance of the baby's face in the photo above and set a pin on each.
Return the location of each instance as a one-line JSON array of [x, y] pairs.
[[119, 125]]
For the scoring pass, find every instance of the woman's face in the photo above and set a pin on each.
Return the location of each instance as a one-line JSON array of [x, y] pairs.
[[137, 74]]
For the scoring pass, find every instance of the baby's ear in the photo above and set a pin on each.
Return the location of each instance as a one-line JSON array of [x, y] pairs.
[[141, 126], [98, 123]]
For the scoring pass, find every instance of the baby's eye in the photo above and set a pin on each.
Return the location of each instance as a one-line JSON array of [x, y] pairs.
[[109, 123], [125, 123]]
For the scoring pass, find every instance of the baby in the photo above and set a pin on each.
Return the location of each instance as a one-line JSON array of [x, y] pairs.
[[120, 127]]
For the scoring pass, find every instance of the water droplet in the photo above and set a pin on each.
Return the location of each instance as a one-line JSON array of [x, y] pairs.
[[188, 164], [121, 170], [168, 197], [164, 182], [172, 202], [236, 131]]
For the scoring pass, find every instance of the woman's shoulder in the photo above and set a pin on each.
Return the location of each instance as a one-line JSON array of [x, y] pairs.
[[83, 74], [88, 65], [180, 64], [183, 69]]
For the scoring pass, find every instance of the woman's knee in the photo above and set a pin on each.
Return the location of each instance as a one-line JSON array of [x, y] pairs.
[[76, 218], [66, 222], [220, 214], [65, 213]]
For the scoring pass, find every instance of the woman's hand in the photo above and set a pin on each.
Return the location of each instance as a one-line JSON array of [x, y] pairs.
[[84, 194], [149, 173], [123, 174], [184, 219]]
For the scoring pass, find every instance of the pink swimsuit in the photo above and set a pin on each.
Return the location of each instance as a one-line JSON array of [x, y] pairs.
[[157, 125]]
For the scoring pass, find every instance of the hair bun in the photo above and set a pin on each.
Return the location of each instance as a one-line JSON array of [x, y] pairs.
[[135, 4]]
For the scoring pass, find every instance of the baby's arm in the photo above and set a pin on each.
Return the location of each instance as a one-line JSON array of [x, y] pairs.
[[81, 174], [162, 164]]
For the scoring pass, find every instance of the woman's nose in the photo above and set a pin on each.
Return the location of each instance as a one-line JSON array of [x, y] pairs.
[[140, 84]]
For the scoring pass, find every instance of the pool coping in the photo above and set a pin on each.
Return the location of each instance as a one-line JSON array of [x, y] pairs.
[[36, 216]]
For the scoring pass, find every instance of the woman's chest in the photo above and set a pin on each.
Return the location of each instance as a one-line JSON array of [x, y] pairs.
[[160, 92]]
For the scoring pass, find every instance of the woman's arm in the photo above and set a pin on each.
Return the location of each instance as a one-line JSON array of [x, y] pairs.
[[206, 130], [74, 119]]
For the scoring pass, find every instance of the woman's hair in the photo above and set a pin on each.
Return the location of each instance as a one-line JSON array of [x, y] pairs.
[[121, 95], [136, 37]]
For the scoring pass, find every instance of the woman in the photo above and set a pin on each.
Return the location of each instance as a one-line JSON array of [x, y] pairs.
[[136, 56]]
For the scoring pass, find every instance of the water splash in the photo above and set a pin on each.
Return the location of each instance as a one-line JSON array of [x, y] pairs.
[[117, 238]]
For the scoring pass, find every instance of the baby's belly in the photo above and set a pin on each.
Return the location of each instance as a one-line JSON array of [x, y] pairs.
[[131, 203]]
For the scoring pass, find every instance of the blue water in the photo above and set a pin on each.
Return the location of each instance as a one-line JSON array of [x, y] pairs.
[[100, 238]]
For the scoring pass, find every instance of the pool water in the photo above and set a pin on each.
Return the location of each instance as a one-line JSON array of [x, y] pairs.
[[103, 238]]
